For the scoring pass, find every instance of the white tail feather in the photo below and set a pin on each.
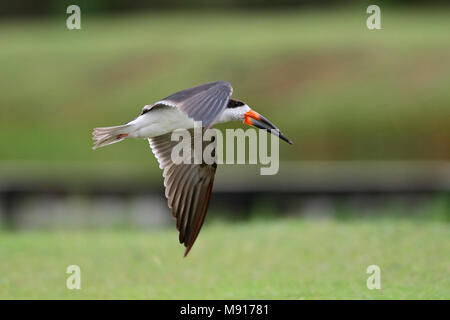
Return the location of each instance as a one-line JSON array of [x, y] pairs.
[[109, 135]]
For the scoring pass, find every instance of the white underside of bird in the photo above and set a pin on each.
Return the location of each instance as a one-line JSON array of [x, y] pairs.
[[159, 121]]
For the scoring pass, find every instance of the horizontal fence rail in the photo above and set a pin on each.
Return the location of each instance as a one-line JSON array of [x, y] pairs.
[[72, 195], [320, 177]]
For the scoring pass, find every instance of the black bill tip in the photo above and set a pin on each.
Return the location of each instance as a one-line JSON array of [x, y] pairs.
[[263, 123], [282, 137], [269, 126]]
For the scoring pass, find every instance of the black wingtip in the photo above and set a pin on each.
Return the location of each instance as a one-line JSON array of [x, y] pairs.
[[187, 251]]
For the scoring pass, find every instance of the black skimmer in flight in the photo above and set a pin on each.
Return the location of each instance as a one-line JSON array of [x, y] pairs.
[[188, 186]]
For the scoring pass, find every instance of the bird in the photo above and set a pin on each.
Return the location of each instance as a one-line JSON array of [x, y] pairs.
[[188, 186]]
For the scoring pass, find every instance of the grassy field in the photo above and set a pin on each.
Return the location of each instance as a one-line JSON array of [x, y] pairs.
[[283, 259]]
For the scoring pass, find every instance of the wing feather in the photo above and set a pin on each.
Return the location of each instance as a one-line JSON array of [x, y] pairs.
[[188, 187], [202, 103]]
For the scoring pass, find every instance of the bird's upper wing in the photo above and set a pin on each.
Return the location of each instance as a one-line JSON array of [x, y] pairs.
[[202, 103], [188, 186]]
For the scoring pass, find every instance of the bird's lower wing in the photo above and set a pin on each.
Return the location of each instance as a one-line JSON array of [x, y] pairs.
[[188, 185]]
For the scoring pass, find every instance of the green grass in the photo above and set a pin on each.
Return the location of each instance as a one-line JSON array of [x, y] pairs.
[[280, 259]]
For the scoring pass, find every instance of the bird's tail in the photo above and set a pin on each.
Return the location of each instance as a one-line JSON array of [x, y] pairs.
[[109, 135]]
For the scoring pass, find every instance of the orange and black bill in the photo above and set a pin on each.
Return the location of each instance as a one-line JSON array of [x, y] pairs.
[[253, 118]]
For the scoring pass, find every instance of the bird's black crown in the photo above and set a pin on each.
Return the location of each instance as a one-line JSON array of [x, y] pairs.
[[234, 103]]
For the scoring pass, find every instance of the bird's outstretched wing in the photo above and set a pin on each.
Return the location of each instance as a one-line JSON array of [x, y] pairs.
[[202, 103], [188, 185]]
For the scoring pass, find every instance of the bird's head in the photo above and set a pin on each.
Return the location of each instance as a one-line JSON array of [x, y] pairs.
[[254, 119]]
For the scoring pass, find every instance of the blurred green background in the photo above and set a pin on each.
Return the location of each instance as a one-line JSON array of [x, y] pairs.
[[344, 94], [339, 90]]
